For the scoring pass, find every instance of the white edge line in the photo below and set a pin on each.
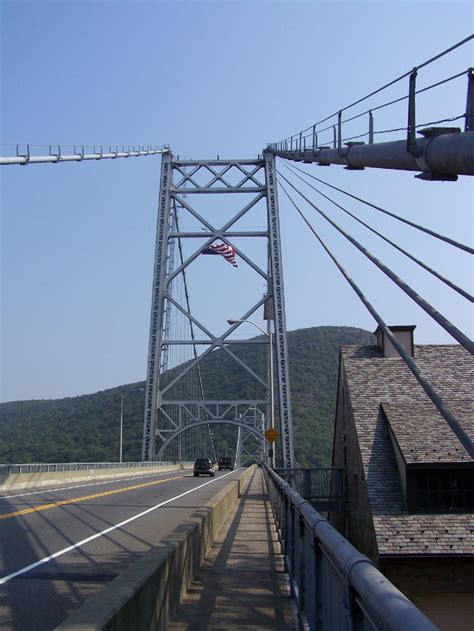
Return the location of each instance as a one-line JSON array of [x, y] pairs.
[[5, 579]]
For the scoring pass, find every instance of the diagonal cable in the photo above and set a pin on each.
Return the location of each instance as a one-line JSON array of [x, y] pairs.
[[424, 383], [198, 366], [460, 291], [452, 242], [430, 310]]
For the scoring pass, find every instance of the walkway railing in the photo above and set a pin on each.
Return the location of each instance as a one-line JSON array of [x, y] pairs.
[[9, 469], [334, 585], [322, 487]]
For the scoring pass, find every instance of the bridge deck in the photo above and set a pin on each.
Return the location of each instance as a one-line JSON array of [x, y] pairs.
[[242, 584]]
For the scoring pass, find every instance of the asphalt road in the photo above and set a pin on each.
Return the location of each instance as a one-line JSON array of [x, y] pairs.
[[61, 545]]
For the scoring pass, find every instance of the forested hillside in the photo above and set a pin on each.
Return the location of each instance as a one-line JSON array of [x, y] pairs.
[[86, 428]]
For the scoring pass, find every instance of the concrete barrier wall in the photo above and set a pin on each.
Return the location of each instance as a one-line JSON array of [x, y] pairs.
[[146, 595], [17, 481]]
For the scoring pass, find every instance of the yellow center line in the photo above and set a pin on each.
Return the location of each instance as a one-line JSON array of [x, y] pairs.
[[84, 498]]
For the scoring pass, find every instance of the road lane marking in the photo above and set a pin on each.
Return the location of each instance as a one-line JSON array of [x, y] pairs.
[[84, 498], [27, 568], [82, 486]]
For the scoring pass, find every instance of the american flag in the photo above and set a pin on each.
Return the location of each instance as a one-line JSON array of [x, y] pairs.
[[227, 251]]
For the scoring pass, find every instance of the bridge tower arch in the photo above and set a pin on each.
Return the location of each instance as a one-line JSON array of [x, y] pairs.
[[197, 370]]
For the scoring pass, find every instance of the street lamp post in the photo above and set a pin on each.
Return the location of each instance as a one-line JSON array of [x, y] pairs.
[[272, 394], [122, 397]]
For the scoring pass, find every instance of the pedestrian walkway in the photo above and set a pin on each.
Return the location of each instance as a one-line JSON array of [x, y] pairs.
[[242, 583]]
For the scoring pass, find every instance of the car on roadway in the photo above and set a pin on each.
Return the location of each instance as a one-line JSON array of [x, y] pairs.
[[225, 463], [204, 466]]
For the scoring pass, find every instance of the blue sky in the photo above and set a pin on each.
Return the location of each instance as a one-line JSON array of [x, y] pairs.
[[207, 78]]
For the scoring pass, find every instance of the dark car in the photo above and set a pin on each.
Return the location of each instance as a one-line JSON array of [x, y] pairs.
[[205, 466], [224, 463]]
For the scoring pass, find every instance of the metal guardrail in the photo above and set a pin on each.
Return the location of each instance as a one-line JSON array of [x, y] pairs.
[[335, 586], [322, 487], [56, 153], [9, 469]]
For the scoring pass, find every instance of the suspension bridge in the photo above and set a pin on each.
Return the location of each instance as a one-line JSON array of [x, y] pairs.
[[197, 229]]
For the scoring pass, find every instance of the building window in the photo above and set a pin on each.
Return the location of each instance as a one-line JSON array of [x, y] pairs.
[[443, 491]]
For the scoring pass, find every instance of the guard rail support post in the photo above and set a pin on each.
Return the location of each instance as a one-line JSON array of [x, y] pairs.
[[315, 139], [301, 559], [309, 577], [339, 130], [469, 121], [307, 484], [296, 572], [289, 549], [411, 124]]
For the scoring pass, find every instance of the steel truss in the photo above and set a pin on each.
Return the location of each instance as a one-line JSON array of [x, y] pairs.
[[249, 450], [168, 411]]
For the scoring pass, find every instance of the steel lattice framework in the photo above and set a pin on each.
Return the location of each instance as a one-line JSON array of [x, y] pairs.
[[169, 411]]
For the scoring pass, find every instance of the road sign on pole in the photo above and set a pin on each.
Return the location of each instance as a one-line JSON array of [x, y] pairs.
[[272, 434]]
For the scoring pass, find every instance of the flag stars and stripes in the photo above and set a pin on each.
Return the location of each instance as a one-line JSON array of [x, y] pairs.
[[225, 250]]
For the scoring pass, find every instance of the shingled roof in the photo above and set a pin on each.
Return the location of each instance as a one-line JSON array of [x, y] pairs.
[[383, 393]]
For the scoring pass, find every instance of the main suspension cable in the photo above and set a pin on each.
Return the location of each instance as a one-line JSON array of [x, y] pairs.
[[430, 310], [424, 383], [432, 233], [460, 291]]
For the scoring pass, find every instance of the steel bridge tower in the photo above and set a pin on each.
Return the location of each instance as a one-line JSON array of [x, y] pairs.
[[192, 216]]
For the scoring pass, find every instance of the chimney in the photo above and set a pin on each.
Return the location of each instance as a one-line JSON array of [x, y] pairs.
[[403, 334]]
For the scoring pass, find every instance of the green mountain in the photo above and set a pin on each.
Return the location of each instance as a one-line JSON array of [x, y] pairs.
[[86, 428]]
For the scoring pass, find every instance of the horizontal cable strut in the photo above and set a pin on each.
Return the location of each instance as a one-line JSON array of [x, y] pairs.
[[424, 383], [421, 302], [100, 154], [456, 244], [446, 281], [447, 154], [192, 341], [206, 235], [222, 189], [246, 161]]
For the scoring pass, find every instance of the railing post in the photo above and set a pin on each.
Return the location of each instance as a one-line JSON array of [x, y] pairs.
[[371, 128], [309, 577], [339, 130], [307, 484], [319, 612], [469, 121], [411, 124], [301, 564]]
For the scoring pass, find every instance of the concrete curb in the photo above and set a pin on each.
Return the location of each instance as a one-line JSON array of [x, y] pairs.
[[147, 593], [20, 481]]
